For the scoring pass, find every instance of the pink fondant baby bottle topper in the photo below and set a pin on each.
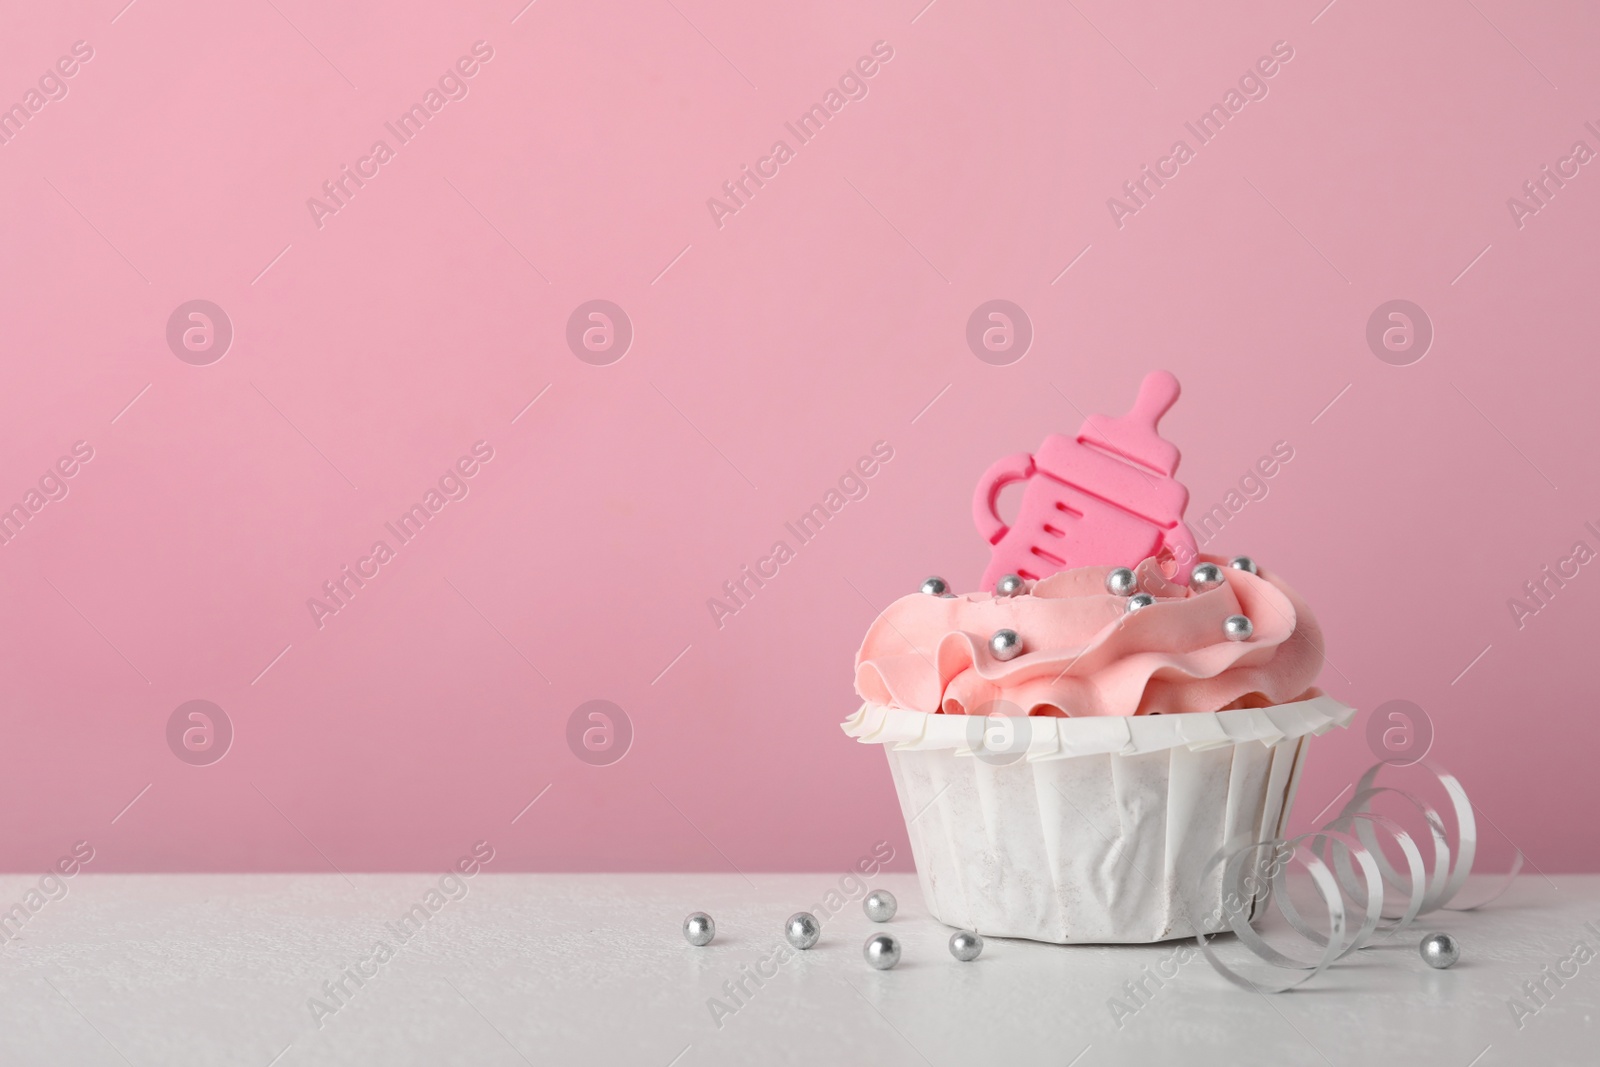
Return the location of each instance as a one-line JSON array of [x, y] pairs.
[[1106, 497]]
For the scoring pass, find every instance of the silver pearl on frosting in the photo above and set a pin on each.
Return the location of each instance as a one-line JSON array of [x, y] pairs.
[[698, 929], [1005, 644], [802, 929], [1121, 582], [1205, 577], [1139, 601], [1237, 628], [882, 951], [880, 905], [965, 945], [1243, 563], [1439, 950], [936, 586], [1010, 585]]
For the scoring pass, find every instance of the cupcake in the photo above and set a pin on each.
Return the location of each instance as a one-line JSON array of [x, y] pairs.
[[1072, 748]]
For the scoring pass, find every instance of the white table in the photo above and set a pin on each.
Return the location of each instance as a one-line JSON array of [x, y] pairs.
[[219, 970]]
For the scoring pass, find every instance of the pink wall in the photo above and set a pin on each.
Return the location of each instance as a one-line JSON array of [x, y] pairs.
[[374, 347]]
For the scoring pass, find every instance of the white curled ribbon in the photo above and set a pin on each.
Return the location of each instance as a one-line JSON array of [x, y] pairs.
[[1357, 885]]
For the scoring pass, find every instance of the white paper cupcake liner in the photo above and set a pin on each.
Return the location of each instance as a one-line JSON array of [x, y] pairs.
[[1096, 830]]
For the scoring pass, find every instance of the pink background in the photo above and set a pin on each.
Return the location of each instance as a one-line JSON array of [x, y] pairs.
[[769, 354]]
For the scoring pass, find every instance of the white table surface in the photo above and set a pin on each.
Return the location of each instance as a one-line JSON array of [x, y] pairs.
[[544, 969]]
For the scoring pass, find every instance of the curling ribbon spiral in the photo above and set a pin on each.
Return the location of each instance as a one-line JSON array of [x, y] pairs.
[[1254, 875]]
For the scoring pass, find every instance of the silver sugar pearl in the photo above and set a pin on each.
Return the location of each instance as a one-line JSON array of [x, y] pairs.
[[936, 586], [1005, 644], [880, 906], [1439, 950], [1139, 601], [802, 929], [1205, 577], [1121, 582], [698, 929], [882, 951], [965, 945], [1243, 563], [1010, 585], [1237, 628]]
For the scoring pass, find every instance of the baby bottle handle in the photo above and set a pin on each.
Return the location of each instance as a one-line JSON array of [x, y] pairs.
[[1016, 467]]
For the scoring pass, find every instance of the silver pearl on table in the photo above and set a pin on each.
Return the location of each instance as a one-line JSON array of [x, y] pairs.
[[1205, 577], [1139, 601], [1243, 563], [1005, 644], [1439, 950], [882, 951], [802, 929], [699, 929], [936, 586], [1237, 628], [965, 945], [880, 905], [1010, 585], [1121, 582]]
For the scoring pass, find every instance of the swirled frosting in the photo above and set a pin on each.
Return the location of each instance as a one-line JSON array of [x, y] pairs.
[[1083, 653]]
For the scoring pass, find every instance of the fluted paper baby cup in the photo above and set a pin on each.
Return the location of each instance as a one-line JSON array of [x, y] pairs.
[[1089, 830], [1069, 780]]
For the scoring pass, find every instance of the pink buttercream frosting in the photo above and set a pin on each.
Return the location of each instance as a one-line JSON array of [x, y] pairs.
[[1084, 654]]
